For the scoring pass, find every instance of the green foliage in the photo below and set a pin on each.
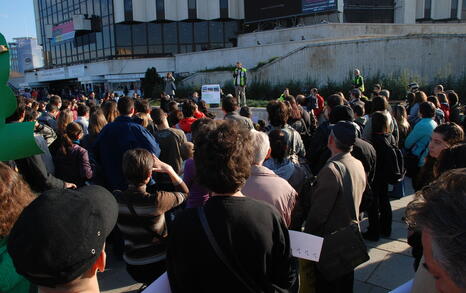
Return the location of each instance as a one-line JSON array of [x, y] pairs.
[[152, 84], [219, 68], [262, 63], [395, 83]]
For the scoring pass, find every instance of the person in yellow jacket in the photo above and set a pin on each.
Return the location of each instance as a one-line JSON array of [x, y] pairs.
[[358, 82], [240, 79]]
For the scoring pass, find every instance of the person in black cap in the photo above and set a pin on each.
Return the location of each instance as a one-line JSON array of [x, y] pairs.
[[330, 210], [59, 239]]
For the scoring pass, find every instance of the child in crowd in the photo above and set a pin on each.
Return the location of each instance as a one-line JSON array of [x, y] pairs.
[[71, 160], [187, 152], [141, 217]]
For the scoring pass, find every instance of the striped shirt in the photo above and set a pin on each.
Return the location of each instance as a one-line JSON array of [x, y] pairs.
[[141, 220]]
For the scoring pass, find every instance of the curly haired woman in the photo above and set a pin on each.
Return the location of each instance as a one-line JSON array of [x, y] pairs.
[[15, 195]]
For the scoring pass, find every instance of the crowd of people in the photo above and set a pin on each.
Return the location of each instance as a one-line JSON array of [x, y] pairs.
[[210, 199]]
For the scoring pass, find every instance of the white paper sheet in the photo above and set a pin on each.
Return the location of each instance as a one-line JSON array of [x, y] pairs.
[[305, 245], [161, 285]]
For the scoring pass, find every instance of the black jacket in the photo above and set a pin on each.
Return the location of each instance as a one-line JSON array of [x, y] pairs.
[[252, 236], [36, 175], [379, 142]]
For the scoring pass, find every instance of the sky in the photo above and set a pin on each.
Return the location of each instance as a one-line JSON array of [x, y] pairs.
[[17, 19]]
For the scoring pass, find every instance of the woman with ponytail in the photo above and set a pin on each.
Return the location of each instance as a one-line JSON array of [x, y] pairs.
[[71, 160]]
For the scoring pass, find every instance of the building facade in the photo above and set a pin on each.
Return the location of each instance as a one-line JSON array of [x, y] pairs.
[[25, 54], [80, 31], [109, 44]]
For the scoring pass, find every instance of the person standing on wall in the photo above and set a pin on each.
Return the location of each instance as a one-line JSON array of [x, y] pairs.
[[240, 79], [170, 86], [358, 82]]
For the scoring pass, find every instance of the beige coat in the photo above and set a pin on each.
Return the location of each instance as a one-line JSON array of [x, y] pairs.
[[328, 209]]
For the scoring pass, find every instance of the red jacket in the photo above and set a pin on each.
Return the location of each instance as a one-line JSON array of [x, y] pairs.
[[320, 105], [446, 109], [185, 124]]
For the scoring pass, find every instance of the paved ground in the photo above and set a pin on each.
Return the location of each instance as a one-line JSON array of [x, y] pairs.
[[390, 266]]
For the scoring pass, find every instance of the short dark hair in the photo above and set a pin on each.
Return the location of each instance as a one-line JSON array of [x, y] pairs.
[[174, 117], [223, 157], [341, 146], [278, 145], [55, 100], [137, 163], [341, 113], [452, 98], [379, 122], [31, 115], [201, 126], [172, 106], [358, 109], [157, 116], [434, 101], [20, 110], [51, 108], [451, 158], [278, 113], [83, 110], [334, 100], [142, 106], [380, 103], [125, 105], [229, 104], [188, 109], [427, 110], [245, 111]]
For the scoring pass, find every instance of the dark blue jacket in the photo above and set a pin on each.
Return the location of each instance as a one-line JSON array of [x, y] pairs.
[[48, 120], [113, 141]]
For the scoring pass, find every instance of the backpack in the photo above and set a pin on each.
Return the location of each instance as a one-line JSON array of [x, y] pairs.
[[394, 163]]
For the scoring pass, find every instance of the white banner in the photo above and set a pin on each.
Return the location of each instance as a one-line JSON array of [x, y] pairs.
[[210, 93]]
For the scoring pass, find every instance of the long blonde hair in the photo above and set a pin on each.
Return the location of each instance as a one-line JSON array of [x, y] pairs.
[[110, 111], [97, 121], [65, 118]]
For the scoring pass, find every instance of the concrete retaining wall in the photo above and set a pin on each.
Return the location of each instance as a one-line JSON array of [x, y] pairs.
[[426, 56], [345, 30]]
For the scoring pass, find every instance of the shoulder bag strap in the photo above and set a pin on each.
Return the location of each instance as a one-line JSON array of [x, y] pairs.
[[218, 251], [347, 191]]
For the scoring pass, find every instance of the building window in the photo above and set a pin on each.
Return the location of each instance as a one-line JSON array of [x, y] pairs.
[[160, 9], [128, 10], [454, 9], [123, 33], [463, 13], [428, 9], [192, 14], [224, 9], [139, 34]]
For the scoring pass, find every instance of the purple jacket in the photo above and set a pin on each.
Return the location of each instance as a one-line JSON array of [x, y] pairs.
[[73, 167], [198, 195]]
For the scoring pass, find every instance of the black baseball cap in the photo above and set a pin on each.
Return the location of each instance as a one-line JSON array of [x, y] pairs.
[[61, 234], [341, 113], [345, 132]]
